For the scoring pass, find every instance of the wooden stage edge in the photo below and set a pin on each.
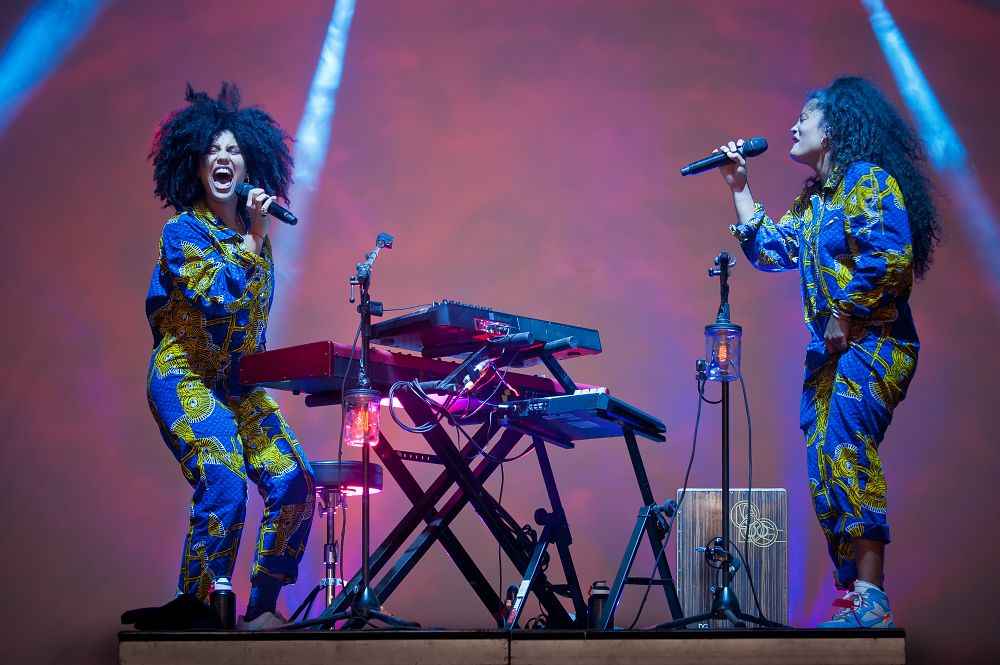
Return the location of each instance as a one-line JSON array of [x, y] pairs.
[[528, 647]]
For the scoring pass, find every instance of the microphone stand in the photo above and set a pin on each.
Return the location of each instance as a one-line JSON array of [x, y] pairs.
[[367, 602], [366, 605], [725, 604]]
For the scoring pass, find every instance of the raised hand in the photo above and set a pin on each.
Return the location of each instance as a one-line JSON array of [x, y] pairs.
[[735, 175], [257, 204], [735, 172], [260, 222]]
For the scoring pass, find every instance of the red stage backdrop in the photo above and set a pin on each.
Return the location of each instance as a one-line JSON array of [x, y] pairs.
[[525, 155]]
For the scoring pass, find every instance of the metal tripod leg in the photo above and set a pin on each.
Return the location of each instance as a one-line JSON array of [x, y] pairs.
[[725, 607]]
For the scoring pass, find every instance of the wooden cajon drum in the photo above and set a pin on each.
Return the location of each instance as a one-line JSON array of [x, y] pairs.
[[700, 520]]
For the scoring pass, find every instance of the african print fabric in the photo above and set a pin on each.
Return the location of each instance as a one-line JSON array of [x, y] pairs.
[[850, 241], [207, 306]]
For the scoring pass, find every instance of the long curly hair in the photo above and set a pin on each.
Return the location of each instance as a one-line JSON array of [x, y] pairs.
[[863, 126], [185, 135]]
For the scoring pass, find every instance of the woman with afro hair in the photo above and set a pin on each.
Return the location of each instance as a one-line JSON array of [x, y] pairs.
[[207, 306], [861, 229]]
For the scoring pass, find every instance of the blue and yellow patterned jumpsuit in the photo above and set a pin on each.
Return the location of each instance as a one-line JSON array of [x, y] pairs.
[[850, 241], [207, 306]]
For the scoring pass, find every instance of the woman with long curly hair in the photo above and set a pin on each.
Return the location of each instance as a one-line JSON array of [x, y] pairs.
[[862, 228], [207, 306]]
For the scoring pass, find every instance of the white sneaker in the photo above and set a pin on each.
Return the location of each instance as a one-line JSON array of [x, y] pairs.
[[865, 607], [266, 621]]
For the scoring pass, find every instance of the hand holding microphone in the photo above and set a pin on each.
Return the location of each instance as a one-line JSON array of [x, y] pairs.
[[733, 153], [731, 161], [734, 168], [256, 202], [263, 204]]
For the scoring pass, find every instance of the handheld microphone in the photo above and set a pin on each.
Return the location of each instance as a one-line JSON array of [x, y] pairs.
[[243, 189], [750, 148]]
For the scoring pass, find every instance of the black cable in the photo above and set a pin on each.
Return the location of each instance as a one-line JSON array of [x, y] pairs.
[[482, 451], [670, 526], [746, 535], [502, 382], [443, 413], [343, 539], [418, 429], [340, 446], [539, 622], [485, 455], [442, 410], [343, 384], [708, 401], [500, 549]]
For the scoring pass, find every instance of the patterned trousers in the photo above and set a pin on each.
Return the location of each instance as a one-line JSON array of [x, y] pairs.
[[846, 408], [221, 437]]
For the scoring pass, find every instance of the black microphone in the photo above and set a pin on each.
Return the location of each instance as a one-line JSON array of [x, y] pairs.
[[243, 189], [750, 148]]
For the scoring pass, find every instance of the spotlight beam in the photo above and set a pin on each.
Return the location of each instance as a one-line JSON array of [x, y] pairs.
[[944, 148], [312, 139], [40, 43]]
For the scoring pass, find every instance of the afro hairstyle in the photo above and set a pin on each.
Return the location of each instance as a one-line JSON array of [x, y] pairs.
[[186, 134]]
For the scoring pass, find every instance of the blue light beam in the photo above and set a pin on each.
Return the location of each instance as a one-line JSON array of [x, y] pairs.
[[40, 43], [312, 139], [945, 149]]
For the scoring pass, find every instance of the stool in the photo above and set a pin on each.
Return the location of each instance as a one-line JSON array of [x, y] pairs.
[[329, 495]]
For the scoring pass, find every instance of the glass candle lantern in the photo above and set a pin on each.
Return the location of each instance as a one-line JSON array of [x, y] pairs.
[[361, 417], [722, 351]]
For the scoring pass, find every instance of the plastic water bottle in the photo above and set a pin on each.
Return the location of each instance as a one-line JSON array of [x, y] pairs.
[[223, 600]]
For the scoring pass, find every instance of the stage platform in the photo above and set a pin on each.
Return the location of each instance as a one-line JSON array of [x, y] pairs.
[[526, 647]]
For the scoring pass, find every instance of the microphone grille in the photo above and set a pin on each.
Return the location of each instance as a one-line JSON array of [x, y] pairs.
[[754, 147], [244, 188]]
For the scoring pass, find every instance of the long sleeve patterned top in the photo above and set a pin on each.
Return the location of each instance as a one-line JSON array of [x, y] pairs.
[[208, 299], [850, 241]]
